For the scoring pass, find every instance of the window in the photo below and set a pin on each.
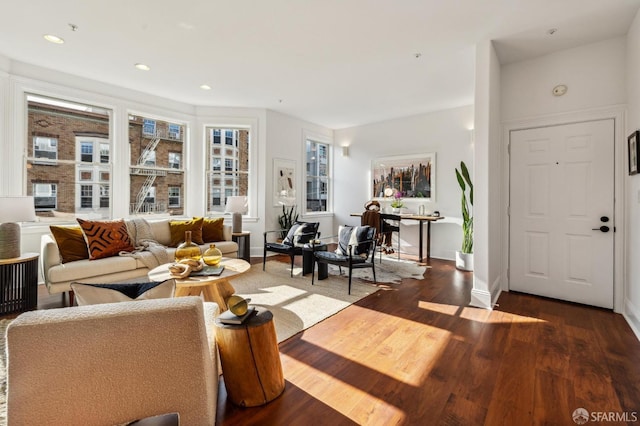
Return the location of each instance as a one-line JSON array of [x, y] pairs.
[[155, 163], [227, 169], [86, 152], [45, 148], [104, 196], [174, 196], [317, 185], [174, 160], [148, 127], [150, 158], [45, 196], [174, 131], [86, 196], [70, 156], [104, 153]]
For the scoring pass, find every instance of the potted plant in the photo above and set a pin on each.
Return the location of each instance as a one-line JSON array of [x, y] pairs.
[[464, 257], [287, 219], [397, 203]]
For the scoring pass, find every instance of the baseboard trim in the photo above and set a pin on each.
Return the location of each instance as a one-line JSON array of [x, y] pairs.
[[632, 315]]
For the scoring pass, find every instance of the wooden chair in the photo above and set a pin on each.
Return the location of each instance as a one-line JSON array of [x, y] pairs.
[[351, 256]]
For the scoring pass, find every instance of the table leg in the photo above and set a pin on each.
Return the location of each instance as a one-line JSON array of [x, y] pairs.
[[420, 242], [428, 239], [218, 291], [187, 291]]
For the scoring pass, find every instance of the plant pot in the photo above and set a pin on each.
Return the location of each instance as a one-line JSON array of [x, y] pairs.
[[464, 261], [395, 210]]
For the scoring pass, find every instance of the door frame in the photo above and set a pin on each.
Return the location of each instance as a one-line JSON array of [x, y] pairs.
[[617, 114]]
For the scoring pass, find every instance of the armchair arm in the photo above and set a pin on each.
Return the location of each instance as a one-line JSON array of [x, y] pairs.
[[272, 232]]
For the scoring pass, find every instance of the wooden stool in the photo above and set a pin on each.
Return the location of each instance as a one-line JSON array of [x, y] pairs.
[[250, 360]]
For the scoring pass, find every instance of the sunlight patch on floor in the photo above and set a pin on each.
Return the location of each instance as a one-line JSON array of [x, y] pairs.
[[347, 399]]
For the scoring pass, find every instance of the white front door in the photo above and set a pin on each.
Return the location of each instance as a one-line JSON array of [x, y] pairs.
[[561, 194]]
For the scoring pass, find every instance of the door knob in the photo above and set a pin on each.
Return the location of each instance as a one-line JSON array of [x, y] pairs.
[[604, 219], [601, 229]]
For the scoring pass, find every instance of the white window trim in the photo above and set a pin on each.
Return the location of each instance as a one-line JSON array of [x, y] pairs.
[[325, 139], [250, 123]]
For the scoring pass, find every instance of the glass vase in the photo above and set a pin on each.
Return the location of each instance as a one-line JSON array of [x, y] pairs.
[[212, 256], [188, 249]]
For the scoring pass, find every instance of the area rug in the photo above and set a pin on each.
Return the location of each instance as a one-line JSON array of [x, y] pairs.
[[391, 270], [296, 304], [3, 371]]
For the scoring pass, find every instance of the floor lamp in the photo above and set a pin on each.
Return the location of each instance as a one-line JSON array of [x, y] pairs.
[[238, 206], [12, 210]]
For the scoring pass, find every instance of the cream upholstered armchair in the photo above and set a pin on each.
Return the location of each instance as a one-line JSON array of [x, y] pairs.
[[113, 363]]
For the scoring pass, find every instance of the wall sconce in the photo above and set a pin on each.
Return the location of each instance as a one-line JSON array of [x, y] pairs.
[[345, 151]]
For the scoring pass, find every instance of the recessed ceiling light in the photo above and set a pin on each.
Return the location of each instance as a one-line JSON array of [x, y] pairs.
[[142, 67], [205, 87], [53, 39]]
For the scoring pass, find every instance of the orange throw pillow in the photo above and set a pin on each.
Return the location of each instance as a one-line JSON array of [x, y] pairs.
[[71, 243], [105, 238]]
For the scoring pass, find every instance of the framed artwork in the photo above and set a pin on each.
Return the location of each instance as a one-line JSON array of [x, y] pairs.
[[632, 141], [413, 175], [284, 182]]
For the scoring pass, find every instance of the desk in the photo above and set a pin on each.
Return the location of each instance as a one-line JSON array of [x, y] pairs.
[[420, 218]]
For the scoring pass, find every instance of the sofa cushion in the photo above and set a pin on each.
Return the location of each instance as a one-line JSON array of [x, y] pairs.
[[71, 243], [82, 269], [95, 294], [105, 238], [179, 227], [212, 229]]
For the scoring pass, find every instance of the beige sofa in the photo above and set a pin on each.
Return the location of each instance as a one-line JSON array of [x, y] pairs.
[[58, 276], [128, 361]]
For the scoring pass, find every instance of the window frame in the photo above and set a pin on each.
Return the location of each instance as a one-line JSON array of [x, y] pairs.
[[323, 140]]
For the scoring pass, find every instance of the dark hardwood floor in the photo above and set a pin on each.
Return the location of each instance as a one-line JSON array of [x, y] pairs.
[[416, 354]]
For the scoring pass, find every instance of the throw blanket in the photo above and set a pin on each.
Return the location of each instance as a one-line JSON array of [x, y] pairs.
[[147, 249]]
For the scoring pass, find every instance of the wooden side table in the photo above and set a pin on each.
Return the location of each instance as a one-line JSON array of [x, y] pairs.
[[19, 283], [243, 239], [250, 360]]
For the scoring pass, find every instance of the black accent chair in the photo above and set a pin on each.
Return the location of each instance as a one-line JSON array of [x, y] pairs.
[[300, 234], [360, 255]]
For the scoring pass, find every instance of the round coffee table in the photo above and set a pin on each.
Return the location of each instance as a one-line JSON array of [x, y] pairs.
[[213, 288]]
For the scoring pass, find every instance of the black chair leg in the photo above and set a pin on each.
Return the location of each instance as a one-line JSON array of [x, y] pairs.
[[264, 259], [350, 271], [373, 267], [292, 259], [313, 270]]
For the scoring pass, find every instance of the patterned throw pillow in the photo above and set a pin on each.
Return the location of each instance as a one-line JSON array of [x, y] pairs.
[[179, 227], [105, 238], [301, 233], [212, 229], [353, 236], [95, 294], [71, 243]]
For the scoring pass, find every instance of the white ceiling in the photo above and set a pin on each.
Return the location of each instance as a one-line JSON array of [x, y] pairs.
[[337, 63]]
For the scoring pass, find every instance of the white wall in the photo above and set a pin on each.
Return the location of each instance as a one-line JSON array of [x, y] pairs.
[[632, 183], [488, 244], [596, 78], [286, 141], [594, 75], [445, 133]]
